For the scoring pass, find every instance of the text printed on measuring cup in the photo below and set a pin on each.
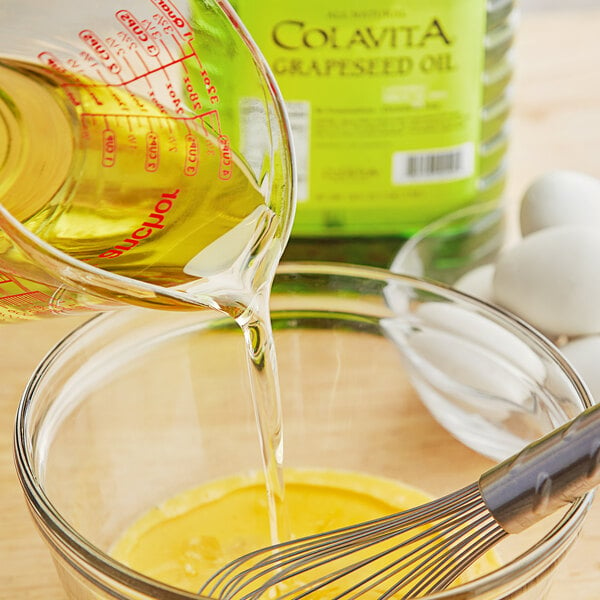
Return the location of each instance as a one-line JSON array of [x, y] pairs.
[[152, 56]]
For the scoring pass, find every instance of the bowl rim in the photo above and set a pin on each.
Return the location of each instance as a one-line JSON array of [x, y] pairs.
[[72, 546], [483, 216]]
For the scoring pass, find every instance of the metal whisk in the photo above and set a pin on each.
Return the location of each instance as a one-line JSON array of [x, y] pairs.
[[424, 549]]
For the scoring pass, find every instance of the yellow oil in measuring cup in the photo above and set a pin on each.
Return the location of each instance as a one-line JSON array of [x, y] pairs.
[[109, 179], [144, 186]]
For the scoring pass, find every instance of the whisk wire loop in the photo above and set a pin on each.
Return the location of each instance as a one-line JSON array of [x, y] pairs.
[[439, 547], [436, 541], [438, 533], [452, 556]]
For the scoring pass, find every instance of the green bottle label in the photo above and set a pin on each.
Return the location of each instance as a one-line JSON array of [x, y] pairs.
[[385, 103]]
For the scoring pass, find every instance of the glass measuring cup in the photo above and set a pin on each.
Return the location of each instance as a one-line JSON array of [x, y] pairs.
[[128, 173]]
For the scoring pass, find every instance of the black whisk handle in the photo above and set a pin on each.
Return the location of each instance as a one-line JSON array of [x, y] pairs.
[[546, 475]]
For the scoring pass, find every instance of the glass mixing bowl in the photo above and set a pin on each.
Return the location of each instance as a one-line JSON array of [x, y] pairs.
[[138, 405], [459, 242]]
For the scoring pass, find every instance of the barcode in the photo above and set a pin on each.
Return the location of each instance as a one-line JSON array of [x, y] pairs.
[[444, 164], [434, 164]]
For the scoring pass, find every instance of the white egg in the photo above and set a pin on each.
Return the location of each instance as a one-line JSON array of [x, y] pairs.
[[478, 282], [551, 279], [408, 261], [560, 198], [398, 297], [488, 335], [584, 355], [463, 372]]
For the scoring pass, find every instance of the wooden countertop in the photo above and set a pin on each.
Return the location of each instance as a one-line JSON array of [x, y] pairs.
[[556, 125]]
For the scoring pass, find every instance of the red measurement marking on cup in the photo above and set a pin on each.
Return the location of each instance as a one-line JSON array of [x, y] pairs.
[[192, 158], [109, 148], [211, 122], [147, 55], [124, 82], [152, 152], [226, 160], [175, 18], [138, 31], [175, 99], [100, 50], [211, 89], [48, 59], [31, 301], [14, 294], [5, 279], [192, 94]]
